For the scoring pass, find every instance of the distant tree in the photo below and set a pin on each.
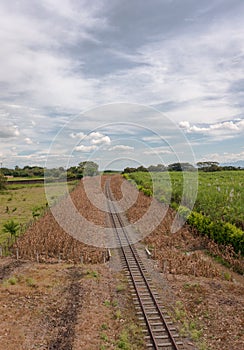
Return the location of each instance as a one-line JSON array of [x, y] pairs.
[[142, 168], [3, 181], [88, 168], [209, 166], [157, 168], [128, 170], [229, 167], [181, 167]]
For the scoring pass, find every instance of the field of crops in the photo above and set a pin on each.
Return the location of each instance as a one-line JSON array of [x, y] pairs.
[[220, 195], [215, 205]]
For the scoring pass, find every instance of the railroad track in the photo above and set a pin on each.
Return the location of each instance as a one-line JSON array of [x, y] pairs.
[[158, 329]]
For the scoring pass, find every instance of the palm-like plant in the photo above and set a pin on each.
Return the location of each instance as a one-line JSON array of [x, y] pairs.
[[11, 227]]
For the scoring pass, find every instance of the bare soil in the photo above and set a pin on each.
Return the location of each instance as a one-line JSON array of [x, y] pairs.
[[63, 306]]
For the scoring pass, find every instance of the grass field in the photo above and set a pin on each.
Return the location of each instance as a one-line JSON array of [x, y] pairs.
[[220, 195], [22, 203], [10, 179]]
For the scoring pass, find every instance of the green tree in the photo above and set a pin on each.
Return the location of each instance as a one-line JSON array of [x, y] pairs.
[[208, 166], [11, 227], [181, 167], [157, 168], [3, 181], [88, 168]]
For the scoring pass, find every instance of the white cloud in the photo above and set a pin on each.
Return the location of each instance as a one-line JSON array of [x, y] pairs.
[[158, 150], [121, 148], [224, 157], [49, 62], [227, 129], [99, 139], [82, 148]]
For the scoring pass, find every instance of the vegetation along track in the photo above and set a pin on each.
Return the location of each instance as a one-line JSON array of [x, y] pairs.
[[159, 331]]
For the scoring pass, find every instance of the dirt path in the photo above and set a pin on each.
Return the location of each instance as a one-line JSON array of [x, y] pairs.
[[64, 319]]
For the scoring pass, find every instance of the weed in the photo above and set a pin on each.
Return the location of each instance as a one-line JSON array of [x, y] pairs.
[[114, 303], [192, 286], [106, 303], [104, 326], [179, 311], [120, 288], [118, 315], [195, 334], [104, 337], [227, 276], [31, 282], [123, 342], [12, 281], [94, 274]]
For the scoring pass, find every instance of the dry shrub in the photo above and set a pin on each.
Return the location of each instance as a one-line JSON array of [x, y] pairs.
[[45, 240], [227, 254]]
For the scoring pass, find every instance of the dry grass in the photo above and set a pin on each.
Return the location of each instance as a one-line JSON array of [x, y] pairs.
[[46, 239]]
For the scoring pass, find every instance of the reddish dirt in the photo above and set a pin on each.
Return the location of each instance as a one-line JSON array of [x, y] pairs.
[[63, 306], [206, 298]]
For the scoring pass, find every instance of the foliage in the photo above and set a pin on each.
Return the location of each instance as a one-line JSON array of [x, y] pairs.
[[157, 168], [2, 182], [181, 167], [88, 168], [220, 232], [11, 227], [218, 210]]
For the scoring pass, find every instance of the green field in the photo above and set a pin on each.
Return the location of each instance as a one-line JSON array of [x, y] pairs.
[[22, 203], [220, 195], [216, 210]]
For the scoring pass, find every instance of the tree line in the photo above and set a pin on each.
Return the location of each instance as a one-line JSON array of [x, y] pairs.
[[208, 166], [87, 168]]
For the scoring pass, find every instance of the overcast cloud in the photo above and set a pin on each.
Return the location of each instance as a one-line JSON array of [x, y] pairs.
[[61, 58]]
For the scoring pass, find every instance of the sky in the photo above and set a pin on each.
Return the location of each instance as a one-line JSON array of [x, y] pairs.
[[121, 82]]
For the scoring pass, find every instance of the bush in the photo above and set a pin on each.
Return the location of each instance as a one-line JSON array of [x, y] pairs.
[[220, 232]]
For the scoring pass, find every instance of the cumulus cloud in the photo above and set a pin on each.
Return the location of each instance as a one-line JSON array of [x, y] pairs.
[[98, 138], [225, 157], [60, 58], [226, 129], [82, 148], [121, 148], [92, 141]]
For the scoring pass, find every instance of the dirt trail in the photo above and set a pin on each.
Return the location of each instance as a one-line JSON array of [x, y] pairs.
[[65, 319]]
